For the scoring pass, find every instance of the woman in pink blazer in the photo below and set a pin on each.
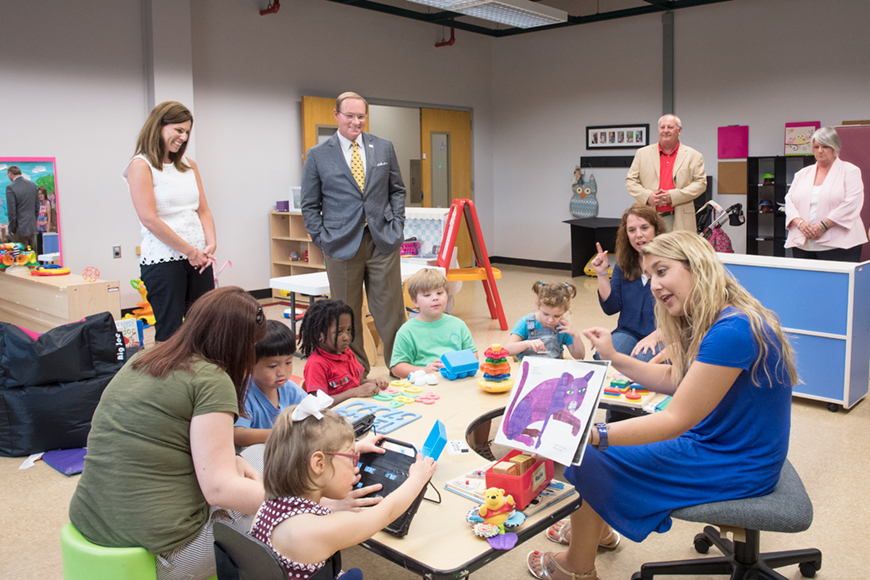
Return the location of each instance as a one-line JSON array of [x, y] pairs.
[[823, 205]]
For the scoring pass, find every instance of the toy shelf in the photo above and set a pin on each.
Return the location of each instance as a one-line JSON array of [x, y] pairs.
[[765, 226], [288, 236]]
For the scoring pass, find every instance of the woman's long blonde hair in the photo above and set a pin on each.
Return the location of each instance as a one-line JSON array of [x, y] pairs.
[[712, 290]]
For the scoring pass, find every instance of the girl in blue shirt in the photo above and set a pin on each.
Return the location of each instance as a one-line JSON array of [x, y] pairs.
[[545, 331]]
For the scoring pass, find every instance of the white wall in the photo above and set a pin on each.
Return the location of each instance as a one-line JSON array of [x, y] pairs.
[[251, 71], [765, 64], [74, 87], [761, 64], [547, 88]]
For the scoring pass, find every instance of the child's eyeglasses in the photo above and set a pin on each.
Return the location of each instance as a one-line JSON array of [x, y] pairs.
[[260, 316], [353, 456]]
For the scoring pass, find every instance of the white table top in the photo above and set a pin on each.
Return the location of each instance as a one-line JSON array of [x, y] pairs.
[[439, 539], [318, 283]]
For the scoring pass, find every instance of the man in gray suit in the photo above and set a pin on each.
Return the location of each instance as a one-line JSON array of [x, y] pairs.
[[22, 206], [353, 203]]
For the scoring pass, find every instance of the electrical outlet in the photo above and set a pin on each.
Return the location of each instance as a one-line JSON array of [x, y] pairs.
[[116, 252]]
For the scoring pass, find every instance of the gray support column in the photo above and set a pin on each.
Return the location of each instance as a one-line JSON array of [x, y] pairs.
[[166, 31], [668, 104]]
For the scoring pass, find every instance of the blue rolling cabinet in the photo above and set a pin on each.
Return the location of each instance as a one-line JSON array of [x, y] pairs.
[[824, 308]]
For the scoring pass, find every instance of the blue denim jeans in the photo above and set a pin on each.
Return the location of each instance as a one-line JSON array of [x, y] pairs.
[[624, 342]]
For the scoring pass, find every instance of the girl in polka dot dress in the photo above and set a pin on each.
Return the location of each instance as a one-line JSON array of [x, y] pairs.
[[311, 454]]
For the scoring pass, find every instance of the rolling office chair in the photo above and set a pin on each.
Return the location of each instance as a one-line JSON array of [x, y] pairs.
[[240, 556], [787, 509]]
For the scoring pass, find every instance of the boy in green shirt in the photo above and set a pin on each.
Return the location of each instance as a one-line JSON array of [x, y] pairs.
[[421, 341]]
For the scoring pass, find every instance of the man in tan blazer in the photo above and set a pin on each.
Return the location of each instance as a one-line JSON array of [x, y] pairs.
[[668, 176]]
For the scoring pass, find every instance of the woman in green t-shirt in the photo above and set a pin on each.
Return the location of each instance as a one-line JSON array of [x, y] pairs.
[[160, 451]]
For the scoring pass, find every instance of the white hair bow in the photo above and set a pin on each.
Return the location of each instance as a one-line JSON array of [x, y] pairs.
[[312, 405]]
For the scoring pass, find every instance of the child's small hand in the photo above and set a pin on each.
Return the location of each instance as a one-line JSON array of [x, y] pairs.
[[422, 469], [370, 445], [565, 327], [355, 499], [381, 383], [434, 366], [537, 345]]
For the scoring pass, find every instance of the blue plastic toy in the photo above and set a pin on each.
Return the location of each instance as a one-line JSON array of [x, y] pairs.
[[459, 364], [436, 441]]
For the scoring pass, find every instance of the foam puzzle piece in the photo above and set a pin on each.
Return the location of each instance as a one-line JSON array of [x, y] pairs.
[[387, 420]]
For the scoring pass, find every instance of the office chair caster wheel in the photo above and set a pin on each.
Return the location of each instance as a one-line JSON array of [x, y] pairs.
[[636, 576], [808, 569], [833, 408], [702, 544]]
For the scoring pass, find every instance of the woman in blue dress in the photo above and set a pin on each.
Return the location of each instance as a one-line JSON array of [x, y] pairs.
[[628, 292], [733, 366]]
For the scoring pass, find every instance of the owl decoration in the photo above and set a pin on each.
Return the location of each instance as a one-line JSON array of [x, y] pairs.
[[584, 203]]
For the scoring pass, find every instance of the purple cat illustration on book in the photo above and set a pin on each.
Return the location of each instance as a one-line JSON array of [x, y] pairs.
[[555, 399]]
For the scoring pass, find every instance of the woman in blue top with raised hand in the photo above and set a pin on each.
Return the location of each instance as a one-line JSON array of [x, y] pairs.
[[733, 366], [628, 292]]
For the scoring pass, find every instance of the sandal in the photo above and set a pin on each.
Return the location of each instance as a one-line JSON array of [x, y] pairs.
[[559, 535], [552, 565]]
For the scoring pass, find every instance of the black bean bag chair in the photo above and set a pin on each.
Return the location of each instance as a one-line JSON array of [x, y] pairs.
[[49, 387]]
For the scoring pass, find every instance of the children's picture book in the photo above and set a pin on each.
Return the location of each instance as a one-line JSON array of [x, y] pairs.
[[129, 328], [472, 485], [552, 406]]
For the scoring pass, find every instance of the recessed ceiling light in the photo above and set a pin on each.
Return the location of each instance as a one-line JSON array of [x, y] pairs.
[[519, 13]]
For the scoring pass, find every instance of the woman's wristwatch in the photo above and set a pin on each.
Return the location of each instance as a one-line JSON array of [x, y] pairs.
[[603, 442]]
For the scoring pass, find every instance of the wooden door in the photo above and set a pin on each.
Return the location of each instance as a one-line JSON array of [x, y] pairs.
[[318, 122], [456, 127]]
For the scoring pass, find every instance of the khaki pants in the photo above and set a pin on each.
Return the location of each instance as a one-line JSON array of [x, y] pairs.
[[381, 275]]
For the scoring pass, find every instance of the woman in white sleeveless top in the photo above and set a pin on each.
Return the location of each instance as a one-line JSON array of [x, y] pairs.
[[178, 235]]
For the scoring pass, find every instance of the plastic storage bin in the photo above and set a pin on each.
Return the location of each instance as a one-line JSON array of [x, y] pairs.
[[526, 487]]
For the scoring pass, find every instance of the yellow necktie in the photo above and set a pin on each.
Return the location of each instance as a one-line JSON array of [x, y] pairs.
[[356, 167]]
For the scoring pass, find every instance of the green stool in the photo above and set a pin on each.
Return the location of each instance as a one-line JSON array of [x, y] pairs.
[[83, 560]]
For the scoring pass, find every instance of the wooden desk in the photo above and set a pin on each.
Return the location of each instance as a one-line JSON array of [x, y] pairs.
[[440, 543], [40, 303], [584, 234]]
